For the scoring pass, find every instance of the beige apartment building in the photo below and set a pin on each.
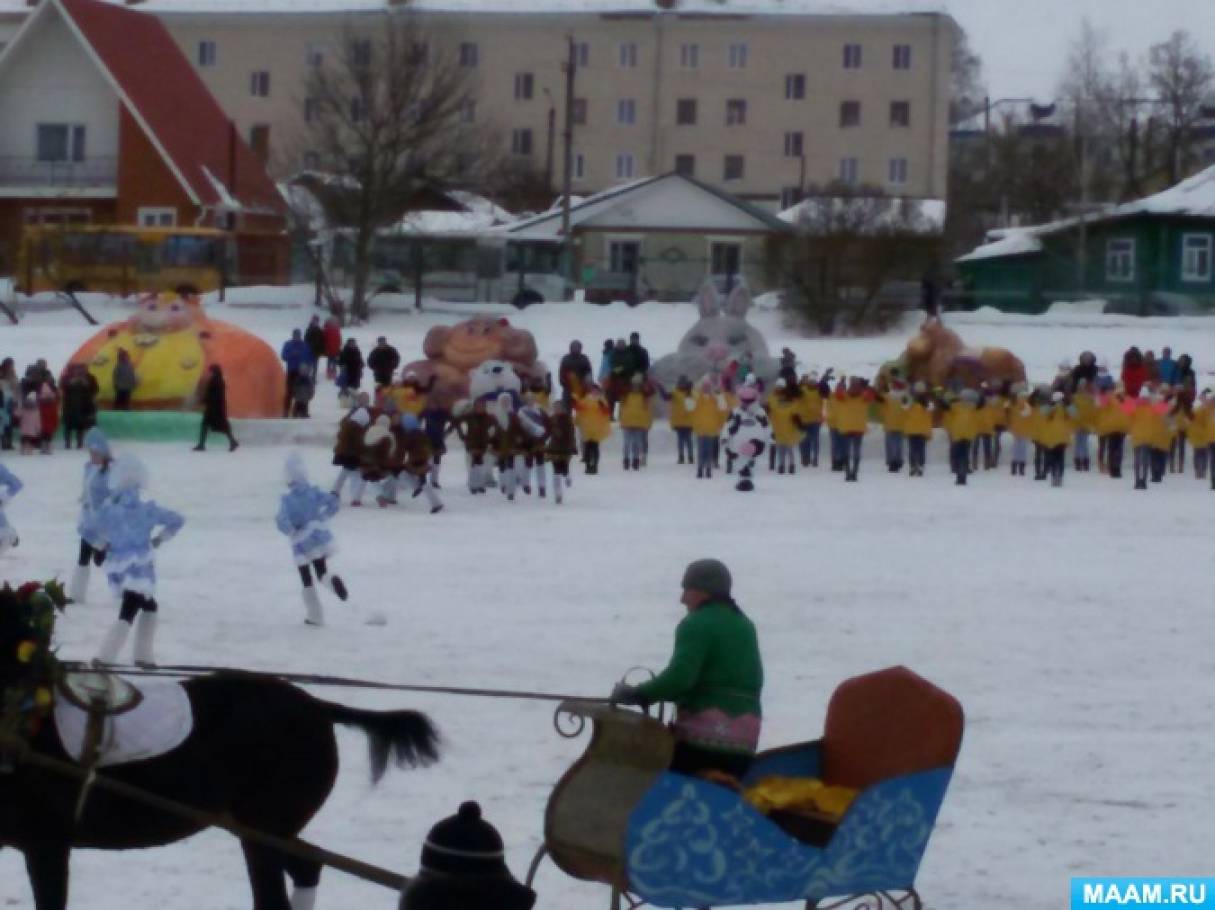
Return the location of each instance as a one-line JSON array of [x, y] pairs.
[[757, 97]]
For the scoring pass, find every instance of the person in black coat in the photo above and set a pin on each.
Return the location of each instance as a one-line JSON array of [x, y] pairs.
[[79, 404], [575, 368], [383, 361], [639, 356], [314, 337], [215, 410], [350, 363]]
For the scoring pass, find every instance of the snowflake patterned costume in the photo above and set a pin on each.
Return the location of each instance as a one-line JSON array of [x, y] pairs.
[[303, 516], [10, 486], [94, 495]]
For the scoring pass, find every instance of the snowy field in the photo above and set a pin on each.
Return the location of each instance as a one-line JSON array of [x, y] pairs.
[[1074, 625]]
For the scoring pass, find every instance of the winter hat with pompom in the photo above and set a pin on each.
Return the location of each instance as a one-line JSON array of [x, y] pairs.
[[95, 441], [296, 472], [128, 473]]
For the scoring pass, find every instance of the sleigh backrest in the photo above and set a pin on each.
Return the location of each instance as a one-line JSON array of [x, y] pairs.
[[887, 724]]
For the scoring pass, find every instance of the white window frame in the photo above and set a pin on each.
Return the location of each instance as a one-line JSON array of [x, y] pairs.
[[897, 172], [679, 108], [627, 55], [736, 242], [1191, 266], [675, 163], [75, 143], [736, 55], [626, 166], [902, 57], [850, 171], [516, 141], [795, 86], [579, 166], [582, 54], [525, 86], [56, 215], [626, 111], [689, 56], [156, 216], [854, 56], [259, 83], [725, 167], [906, 124], [208, 53], [609, 240], [470, 54], [736, 112], [1120, 259], [795, 144]]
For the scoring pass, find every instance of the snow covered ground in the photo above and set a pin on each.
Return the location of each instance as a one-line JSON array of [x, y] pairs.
[[1072, 624]]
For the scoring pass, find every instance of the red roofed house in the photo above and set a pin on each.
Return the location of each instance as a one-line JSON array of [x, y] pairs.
[[105, 121]]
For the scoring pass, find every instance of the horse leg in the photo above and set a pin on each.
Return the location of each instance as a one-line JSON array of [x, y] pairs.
[[266, 877], [305, 877], [47, 865]]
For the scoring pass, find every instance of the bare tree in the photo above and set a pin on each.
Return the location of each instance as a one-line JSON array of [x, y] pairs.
[[850, 245], [391, 118], [1181, 75], [966, 88]]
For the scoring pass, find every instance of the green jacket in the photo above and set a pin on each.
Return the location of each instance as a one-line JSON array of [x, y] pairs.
[[716, 663]]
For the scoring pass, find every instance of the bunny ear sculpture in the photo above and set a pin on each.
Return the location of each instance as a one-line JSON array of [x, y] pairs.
[[739, 300], [707, 299]]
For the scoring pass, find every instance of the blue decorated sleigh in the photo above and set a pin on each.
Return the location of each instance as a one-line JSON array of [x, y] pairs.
[[619, 817]]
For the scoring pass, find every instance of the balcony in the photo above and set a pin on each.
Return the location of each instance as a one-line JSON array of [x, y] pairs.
[[28, 176]]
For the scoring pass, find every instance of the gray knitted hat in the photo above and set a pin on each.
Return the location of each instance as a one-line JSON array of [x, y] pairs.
[[708, 575]]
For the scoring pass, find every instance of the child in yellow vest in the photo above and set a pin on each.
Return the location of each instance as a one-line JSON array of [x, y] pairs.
[[917, 427], [709, 413], [1201, 432], [1041, 401], [891, 411], [593, 418], [1179, 424], [682, 405], [962, 423], [784, 405], [1113, 422], [1149, 437], [1020, 425], [636, 420], [1086, 424], [984, 444], [1058, 426], [852, 422], [831, 409], [813, 393]]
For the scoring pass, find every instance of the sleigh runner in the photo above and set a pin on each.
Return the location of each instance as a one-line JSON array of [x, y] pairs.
[[619, 817]]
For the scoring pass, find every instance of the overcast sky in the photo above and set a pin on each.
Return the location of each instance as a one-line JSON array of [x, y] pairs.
[[1024, 43]]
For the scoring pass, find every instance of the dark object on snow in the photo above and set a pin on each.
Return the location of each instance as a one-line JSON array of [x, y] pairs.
[[463, 868]]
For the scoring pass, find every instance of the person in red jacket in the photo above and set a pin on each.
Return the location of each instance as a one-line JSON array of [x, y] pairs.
[[333, 347], [1134, 372]]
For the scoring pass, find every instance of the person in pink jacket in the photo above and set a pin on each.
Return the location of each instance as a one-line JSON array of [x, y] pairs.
[[31, 424]]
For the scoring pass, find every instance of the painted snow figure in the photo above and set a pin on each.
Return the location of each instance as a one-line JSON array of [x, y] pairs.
[[721, 337], [303, 515], [129, 528], [463, 869], [10, 486], [171, 343], [489, 380], [748, 432], [937, 356], [95, 494]]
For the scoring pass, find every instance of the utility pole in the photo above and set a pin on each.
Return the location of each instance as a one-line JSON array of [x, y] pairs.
[[567, 136], [548, 152]]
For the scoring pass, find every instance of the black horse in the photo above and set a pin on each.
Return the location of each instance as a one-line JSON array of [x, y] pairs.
[[262, 753]]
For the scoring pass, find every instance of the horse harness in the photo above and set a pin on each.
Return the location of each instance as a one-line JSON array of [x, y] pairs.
[[100, 695]]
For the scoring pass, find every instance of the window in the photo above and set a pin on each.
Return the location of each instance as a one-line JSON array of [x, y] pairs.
[[468, 110], [524, 86], [624, 256], [579, 166], [852, 56], [259, 84], [1120, 260], [733, 168], [358, 110], [850, 113], [736, 111], [582, 54], [628, 55], [686, 165], [850, 171], [897, 174], [902, 56], [689, 56], [469, 54], [314, 54], [685, 112], [737, 56], [626, 111], [206, 53], [312, 110], [900, 113], [521, 142], [725, 257], [795, 86], [360, 52], [60, 142], [790, 196], [156, 216], [793, 145], [1196, 257], [579, 112], [624, 166]]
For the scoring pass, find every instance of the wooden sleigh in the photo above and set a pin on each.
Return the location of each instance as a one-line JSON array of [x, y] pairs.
[[619, 817]]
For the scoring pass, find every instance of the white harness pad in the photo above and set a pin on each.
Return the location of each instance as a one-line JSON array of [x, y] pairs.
[[159, 723]]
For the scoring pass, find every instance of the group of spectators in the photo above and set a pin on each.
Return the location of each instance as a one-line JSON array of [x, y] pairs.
[[34, 405], [344, 363], [618, 363]]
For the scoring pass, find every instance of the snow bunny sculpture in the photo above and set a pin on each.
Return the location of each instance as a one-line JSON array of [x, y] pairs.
[[747, 434], [721, 337]]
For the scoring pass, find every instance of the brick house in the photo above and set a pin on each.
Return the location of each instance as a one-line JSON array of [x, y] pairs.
[[105, 121]]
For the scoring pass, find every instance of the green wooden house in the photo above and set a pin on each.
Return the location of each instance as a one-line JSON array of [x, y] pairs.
[[1152, 256]]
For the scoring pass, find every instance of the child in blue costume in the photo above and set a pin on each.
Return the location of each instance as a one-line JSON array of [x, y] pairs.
[[303, 515], [10, 486], [95, 494]]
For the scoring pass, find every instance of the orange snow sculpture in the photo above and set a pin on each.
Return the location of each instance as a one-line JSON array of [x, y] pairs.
[[172, 343], [938, 357]]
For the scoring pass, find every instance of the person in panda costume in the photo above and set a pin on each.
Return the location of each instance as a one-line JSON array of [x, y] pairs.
[[746, 434], [303, 516]]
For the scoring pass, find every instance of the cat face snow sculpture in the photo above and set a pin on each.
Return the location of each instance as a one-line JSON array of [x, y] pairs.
[[722, 336]]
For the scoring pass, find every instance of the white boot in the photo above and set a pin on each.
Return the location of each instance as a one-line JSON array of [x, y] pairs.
[[313, 615], [79, 584], [145, 635], [303, 898], [557, 483], [112, 644]]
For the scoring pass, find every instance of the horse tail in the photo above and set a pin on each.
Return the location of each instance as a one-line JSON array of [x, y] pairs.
[[408, 738]]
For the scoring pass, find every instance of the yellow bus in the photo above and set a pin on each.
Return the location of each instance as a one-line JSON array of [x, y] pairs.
[[121, 259]]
